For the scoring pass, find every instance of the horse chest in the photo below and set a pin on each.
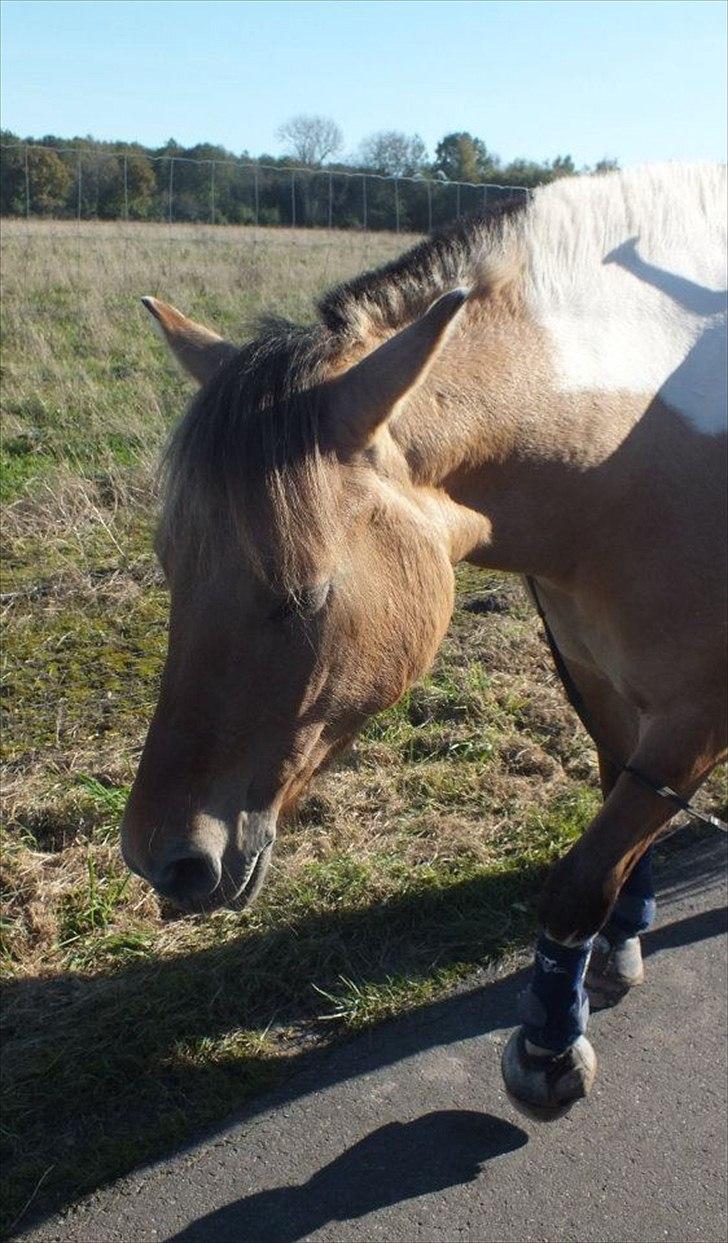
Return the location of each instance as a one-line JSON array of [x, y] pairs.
[[583, 637]]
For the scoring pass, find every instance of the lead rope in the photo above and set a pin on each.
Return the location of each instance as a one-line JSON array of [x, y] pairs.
[[575, 699]]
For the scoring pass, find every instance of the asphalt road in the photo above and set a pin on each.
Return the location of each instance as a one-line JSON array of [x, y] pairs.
[[406, 1133]]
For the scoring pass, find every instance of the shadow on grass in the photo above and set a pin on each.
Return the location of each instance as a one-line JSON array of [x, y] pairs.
[[106, 1073]]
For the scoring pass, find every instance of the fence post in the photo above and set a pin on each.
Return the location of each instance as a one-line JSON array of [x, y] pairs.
[[212, 192], [457, 201], [364, 199], [429, 207], [485, 197], [80, 187], [293, 200], [396, 204], [331, 200], [27, 186], [257, 193], [126, 189], [171, 185]]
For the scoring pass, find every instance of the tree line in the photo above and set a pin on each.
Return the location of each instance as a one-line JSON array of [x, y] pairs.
[[89, 179]]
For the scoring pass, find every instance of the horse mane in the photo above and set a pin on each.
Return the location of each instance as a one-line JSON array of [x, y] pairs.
[[382, 301]]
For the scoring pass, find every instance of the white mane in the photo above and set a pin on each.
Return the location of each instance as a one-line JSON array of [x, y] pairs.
[[627, 272]]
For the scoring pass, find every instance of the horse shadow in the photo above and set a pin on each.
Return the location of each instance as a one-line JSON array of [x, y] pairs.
[[446, 1148], [698, 384], [402, 1161], [698, 299], [397, 1162]]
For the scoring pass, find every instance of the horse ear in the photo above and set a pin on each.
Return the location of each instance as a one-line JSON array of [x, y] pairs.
[[366, 395], [199, 351]]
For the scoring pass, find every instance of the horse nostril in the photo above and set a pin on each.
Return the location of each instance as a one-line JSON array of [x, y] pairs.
[[190, 878]]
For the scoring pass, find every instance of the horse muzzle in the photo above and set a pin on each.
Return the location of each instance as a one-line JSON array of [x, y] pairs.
[[212, 868]]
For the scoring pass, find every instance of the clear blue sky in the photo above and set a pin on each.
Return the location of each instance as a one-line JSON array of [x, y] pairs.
[[637, 80]]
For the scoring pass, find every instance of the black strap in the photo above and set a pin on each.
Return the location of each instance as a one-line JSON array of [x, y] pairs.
[[577, 702]]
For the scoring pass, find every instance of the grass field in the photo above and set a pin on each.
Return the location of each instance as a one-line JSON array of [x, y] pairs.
[[414, 862]]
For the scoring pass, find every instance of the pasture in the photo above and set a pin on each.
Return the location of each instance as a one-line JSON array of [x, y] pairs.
[[405, 869]]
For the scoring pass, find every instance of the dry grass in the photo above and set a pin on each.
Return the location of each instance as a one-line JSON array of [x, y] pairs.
[[84, 381], [415, 861]]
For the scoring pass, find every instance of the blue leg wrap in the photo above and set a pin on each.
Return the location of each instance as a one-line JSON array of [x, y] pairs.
[[555, 1008], [635, 908]]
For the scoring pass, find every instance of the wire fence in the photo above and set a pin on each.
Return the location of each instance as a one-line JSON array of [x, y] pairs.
[[40, 181], [86, 233]]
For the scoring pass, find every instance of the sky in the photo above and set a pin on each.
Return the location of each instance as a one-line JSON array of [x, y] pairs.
[[637, 80]]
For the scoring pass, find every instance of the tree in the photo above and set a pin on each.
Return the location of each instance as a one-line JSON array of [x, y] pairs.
[[394, 154], [141, 187], [460, 157], [528, 173], [50, 181], [117, 194], [563, 166], [311, 139], [12, 175], [606, 165]]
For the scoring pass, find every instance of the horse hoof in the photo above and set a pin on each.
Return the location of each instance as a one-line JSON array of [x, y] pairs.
[[613, 970], [545, 1088]]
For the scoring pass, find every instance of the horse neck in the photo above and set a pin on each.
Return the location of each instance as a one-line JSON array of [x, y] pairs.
[[505, 455]]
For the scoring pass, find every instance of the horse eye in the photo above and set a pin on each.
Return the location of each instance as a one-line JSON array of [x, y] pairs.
[[305, 603]]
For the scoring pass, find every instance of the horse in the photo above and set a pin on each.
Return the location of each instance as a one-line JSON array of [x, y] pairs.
[[539, 389]]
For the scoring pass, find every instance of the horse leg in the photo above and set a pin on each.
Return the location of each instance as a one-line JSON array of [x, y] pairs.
[[615, 964], [548, 1063]]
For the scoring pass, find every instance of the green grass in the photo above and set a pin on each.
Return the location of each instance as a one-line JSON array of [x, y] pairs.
[[126, 1029], [85, 381]]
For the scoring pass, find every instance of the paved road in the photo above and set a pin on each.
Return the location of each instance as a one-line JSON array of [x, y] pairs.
[[406, 1134]]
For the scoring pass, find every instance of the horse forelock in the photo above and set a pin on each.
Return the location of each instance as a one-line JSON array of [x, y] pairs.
[[247, 463]]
